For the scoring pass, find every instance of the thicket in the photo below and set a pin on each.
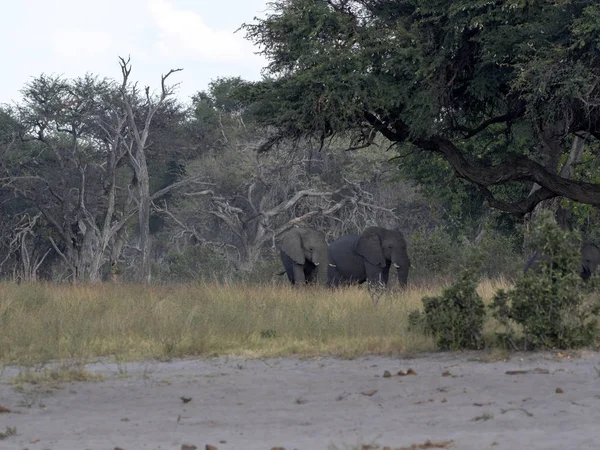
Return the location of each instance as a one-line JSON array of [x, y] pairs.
[[549, 305]]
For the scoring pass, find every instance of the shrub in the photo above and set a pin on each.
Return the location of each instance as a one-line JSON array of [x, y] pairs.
[[548, 301], [456, 317]]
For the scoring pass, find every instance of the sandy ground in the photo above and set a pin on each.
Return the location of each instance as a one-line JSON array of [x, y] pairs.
[[237, 403]]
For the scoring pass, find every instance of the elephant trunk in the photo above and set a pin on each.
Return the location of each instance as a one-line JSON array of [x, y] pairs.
[[402, 275], [402, 266], [320, 260]]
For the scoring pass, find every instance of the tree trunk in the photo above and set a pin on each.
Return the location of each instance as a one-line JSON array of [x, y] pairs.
[[115, 253], [144, 220], [138, 158], [561, 215]]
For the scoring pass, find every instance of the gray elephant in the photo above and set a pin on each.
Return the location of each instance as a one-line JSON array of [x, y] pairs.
[[590, 259], [368, 257], [303, 252]]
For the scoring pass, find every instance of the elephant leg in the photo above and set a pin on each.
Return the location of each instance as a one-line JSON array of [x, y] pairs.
[[288, 265], [299, 274], [333, 278], [289, 270], [374, 273], [385, 275]]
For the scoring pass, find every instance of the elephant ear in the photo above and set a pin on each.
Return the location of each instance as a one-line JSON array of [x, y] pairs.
[[291, 244], [369, 246]]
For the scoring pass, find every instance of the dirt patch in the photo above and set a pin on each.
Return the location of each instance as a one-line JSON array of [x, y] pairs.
[[237, 403]]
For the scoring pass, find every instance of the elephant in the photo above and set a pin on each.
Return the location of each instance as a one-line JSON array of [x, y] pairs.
[[368, 256], [303, 252], [590, 260]]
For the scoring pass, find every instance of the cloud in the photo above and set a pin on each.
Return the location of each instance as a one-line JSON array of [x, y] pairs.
[[183, 34]]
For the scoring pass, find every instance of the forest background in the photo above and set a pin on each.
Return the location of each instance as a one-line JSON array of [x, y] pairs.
[[105, 180]]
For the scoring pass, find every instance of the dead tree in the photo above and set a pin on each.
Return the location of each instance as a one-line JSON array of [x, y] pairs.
[[22, 248], [277, 196], [137, 156], [78, 155]]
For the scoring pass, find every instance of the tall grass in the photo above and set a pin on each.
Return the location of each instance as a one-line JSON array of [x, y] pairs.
[[43, 322]]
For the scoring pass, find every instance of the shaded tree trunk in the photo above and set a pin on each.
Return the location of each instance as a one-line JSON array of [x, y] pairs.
[[562, 216]]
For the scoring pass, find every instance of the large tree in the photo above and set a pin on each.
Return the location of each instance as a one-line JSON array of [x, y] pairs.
[[78, 152], [505, 91]]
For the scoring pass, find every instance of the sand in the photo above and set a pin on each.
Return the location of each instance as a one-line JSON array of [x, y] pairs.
[[456, 400]]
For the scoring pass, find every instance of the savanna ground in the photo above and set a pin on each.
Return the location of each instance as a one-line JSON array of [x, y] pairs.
[[256, 367]]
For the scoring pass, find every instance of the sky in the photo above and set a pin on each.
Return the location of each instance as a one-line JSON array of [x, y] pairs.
[[73, 37]]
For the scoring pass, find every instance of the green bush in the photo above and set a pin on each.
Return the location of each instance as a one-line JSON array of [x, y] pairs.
[[454, 318], [549, 301]]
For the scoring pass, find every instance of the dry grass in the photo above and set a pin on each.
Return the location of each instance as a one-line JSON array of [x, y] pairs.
[[42, 323]]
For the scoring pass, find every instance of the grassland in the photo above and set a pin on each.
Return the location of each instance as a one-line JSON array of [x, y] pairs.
[[43, 322]]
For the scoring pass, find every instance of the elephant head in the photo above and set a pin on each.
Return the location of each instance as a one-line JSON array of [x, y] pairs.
[[382, 247], [306, 247]]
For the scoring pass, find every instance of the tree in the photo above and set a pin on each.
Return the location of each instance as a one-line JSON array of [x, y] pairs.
[[23, 248], [75, 151], [505, 91], [255, 197], [137, 154], [67, 165], [249, 198]]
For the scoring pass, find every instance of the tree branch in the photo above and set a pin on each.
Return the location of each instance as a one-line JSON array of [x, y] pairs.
[[510, 116], [520, 169]]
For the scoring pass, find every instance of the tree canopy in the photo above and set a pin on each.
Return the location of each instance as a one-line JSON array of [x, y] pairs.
[[505, 91]]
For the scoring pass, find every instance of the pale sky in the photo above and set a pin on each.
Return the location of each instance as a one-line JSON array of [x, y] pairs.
[[72, 37]]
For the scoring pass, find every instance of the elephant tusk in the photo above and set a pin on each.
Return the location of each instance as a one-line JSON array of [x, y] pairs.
[[316, 264], [397, 266], [332, 265]]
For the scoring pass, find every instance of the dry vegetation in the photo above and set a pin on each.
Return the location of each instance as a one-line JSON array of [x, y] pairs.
[[44, 322]]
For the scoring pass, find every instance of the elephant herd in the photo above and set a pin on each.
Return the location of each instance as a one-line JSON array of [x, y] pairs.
[[350, 259], [369, 256]]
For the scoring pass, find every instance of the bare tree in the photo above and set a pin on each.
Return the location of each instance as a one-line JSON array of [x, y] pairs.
[[81, 162], [22, 248], [137, 155], [252, 198]]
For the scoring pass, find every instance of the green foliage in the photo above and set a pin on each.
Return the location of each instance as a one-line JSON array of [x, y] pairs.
[[548, 302], [334, 58], [462, 204], [469, 82], [439, 252], [497, 255], [433, 252], [456, 317]]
